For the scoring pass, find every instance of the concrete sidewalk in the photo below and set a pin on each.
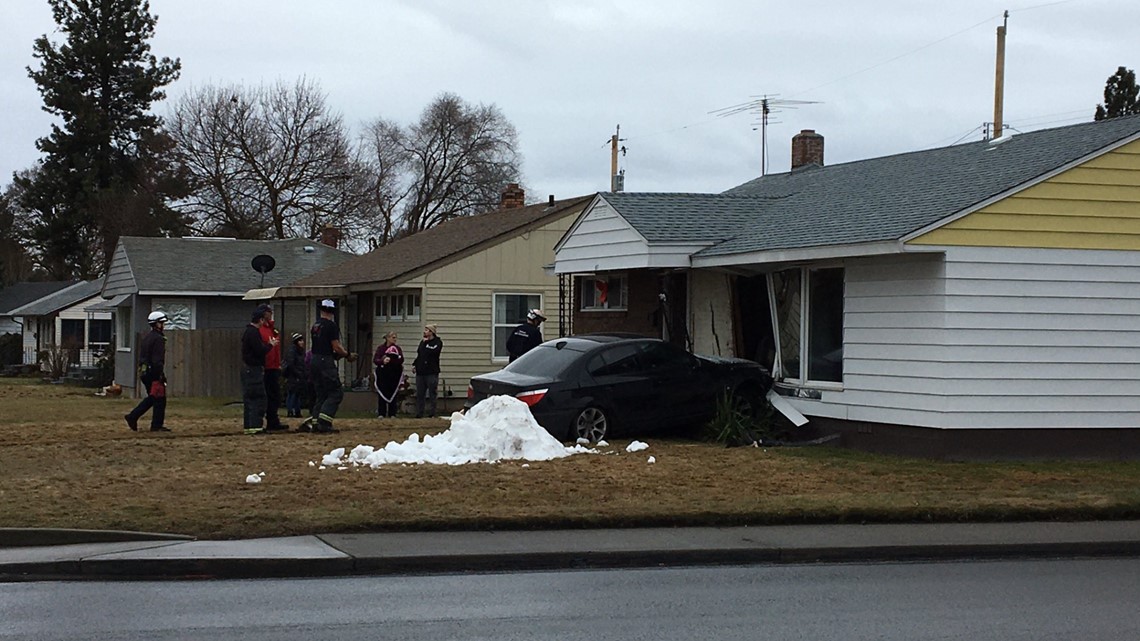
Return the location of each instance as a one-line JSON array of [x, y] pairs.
[[160, 556]]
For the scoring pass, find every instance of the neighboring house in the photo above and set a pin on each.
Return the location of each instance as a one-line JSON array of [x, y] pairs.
[[978, 300], [199, 284], [475, 277], [61, 320], [20, 294]]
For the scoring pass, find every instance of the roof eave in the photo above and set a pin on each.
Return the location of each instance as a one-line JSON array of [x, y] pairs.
[[806, 254]]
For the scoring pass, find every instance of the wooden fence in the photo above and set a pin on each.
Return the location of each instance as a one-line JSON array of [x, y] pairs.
[[204, 362]]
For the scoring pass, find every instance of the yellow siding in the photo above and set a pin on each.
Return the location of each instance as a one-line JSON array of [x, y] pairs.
[[1092, 206], [459, 298]]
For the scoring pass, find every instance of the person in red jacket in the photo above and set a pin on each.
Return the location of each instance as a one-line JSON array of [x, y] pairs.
[[270, 336]]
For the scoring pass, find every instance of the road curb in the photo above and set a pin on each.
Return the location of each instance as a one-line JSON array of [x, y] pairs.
[[14, 537], [251, 568]]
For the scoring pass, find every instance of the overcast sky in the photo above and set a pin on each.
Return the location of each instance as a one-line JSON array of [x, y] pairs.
[[889, 76]]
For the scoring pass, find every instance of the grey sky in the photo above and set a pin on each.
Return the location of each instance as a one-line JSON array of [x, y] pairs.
[[890, 76]]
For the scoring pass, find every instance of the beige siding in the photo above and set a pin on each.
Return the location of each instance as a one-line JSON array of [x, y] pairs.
[[459, 297], [1093, 206]]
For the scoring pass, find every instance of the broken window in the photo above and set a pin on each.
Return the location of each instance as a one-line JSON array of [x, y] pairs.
[[786, 291], [822, 325]]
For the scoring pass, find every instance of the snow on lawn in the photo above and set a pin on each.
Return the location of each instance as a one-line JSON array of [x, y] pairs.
[[496, 429]]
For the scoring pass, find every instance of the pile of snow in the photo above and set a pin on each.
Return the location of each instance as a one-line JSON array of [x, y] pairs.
[[636, 446], [254, 478], [496, 429]]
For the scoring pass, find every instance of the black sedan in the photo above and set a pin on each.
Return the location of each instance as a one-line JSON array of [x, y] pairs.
[[597, 386]]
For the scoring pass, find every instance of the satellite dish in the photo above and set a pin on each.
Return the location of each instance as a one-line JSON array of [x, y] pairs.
[[263, 264]]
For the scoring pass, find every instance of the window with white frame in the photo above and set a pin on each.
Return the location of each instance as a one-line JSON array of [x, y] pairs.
[[509, 311], [179, 312], [398, 306], [814, 337], [605, 292]]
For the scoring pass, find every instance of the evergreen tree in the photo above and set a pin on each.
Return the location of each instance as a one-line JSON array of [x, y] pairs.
[[1121, 95], [98, 162]]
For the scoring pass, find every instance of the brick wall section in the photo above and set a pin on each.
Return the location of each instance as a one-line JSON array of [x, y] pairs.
[[512, 197], [639, 317], [807, 149]]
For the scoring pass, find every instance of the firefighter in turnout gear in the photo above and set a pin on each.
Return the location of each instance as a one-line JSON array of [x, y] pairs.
[[324, 341], [526, 336], [152, 359]]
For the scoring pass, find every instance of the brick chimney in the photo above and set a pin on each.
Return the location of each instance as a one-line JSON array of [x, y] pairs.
[[331, 236], [807, 149], [513, 197]]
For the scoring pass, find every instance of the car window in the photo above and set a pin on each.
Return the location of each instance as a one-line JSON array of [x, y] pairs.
[[615, 361], [545, 360], [664, 356]]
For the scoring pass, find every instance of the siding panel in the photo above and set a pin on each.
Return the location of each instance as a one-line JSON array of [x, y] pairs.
[[1093, 206]]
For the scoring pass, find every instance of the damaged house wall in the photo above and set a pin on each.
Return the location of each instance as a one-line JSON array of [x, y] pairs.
[[711, 313]]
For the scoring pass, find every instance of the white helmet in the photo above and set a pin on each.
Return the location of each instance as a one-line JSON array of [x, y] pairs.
[[535, 314], [156, 317]]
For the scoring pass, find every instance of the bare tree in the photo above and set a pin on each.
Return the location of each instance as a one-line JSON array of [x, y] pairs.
[[269, 162], [453, 162]]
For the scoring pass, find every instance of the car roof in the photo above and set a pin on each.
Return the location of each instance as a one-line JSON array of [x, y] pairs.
[[612, 337]]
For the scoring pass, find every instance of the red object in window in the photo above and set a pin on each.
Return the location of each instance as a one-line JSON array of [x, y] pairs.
[[603, 290]]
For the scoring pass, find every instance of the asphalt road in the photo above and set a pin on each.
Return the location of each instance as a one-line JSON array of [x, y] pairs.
[[1008, 600]]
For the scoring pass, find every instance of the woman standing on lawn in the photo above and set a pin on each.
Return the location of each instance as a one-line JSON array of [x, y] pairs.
[[389, 362]]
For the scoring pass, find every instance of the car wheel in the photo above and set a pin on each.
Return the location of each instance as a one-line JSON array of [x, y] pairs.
[[591, 424]]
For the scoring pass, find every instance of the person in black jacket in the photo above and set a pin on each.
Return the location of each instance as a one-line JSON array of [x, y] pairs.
[[426, 369], [389, 362], [152, 362], [324, 340], [253, 352], [296, 375], [526, 336]]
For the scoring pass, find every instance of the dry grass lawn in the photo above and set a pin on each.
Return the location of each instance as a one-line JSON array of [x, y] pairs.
[[68, 460]]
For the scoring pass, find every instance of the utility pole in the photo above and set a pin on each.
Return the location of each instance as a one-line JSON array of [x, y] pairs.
[[999, 77], [617, 179]]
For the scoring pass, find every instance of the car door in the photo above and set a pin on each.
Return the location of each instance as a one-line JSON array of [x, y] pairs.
[[671, 371], [619, 385]]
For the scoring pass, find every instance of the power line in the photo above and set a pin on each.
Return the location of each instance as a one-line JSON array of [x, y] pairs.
[[903, 55]]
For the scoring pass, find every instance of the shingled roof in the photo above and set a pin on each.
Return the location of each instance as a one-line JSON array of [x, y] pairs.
[[441, 244], [219, 265], [874, 200], [61, 299], [20, 294]]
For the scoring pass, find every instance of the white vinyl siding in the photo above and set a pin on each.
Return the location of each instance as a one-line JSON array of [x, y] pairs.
[[1009, 338], [893, 320], [604, 241]]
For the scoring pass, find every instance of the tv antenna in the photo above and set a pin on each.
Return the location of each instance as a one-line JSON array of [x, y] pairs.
[[263, 264], [762, 106]]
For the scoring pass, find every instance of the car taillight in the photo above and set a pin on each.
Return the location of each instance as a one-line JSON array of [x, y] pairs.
[[470, 392], [531, 397]]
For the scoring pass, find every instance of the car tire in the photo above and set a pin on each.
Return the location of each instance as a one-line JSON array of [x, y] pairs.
[[592, 424]]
